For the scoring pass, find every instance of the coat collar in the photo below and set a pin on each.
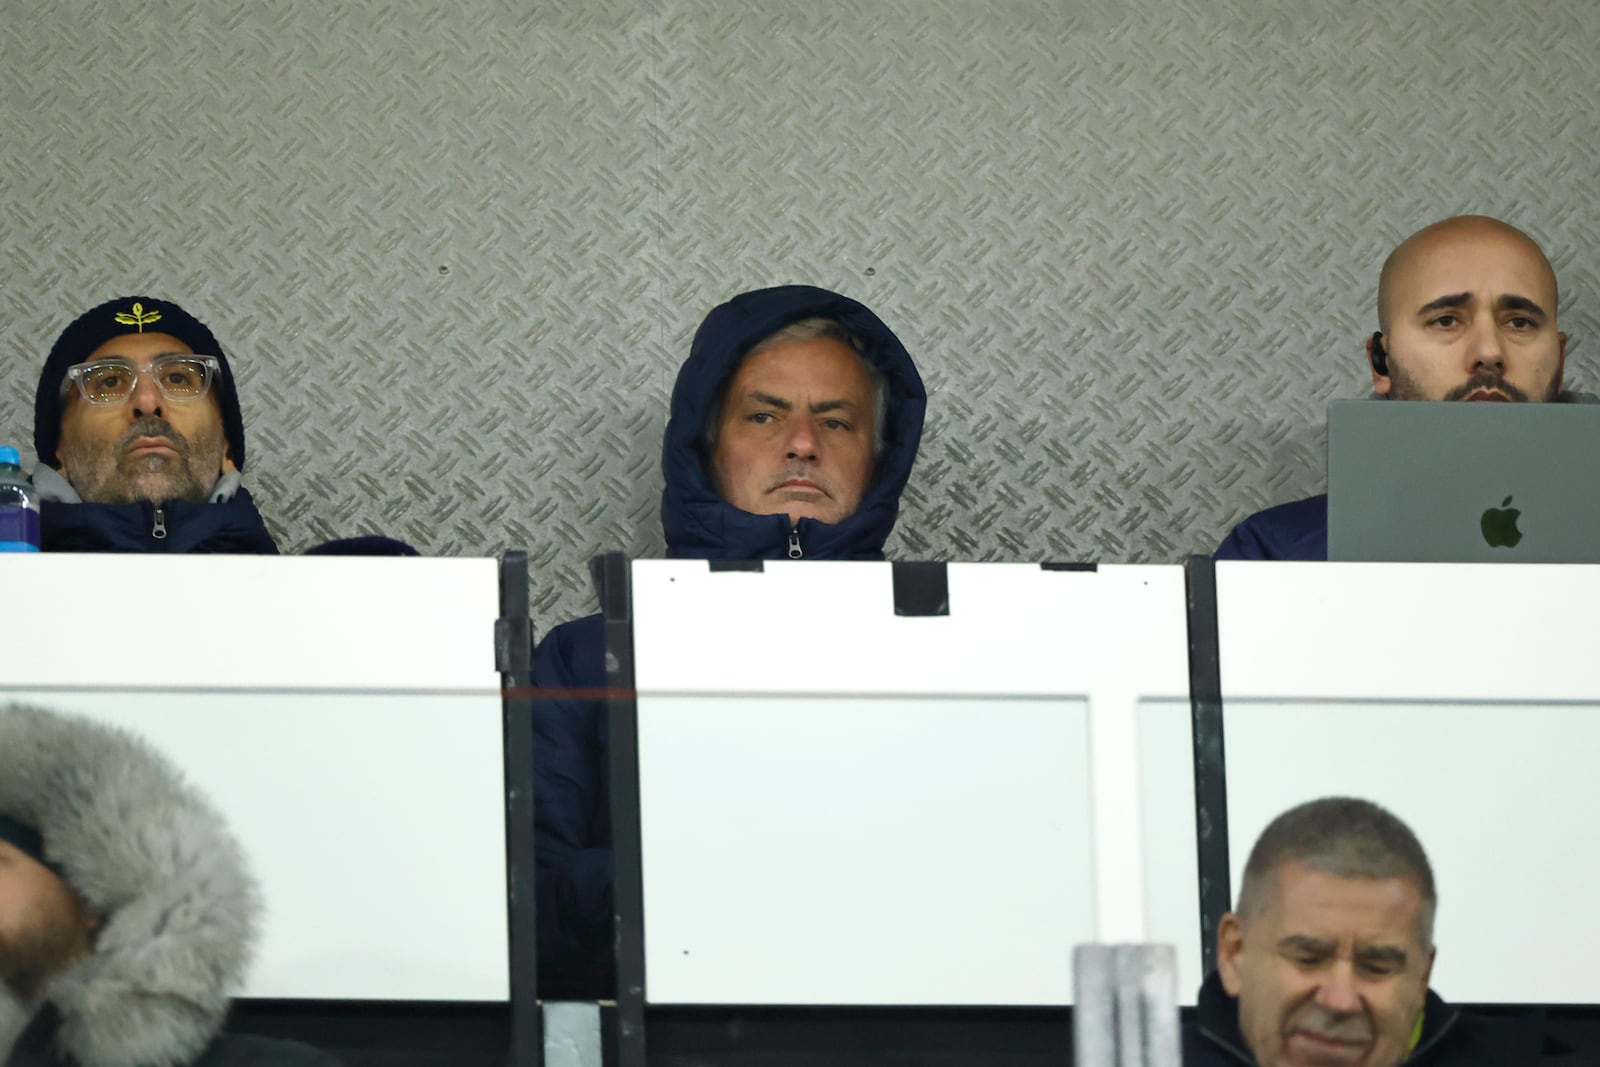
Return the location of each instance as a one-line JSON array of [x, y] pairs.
[[1217, 1019]]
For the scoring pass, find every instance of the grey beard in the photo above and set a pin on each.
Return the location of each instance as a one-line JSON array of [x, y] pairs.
[[110, 477]]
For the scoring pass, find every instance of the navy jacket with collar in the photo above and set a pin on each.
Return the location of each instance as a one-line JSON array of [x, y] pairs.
[[228, 526], [1297, 530], [572, 798], [1450, 1038]]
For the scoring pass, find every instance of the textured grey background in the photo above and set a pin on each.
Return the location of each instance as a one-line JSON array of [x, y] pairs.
[[457, 250]]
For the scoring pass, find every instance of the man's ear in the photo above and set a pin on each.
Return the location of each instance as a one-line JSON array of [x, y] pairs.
[[1427, 970], [1230, 943], [60, 463], [1561, 363], [1381, 384]]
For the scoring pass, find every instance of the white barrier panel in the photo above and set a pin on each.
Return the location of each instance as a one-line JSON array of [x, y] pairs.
[[840, 805], [343, 713], [1466, 699]]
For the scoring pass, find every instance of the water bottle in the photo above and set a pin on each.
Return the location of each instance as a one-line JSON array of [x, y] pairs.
[[19, 506]]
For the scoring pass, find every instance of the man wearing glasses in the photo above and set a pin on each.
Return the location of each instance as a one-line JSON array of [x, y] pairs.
[[140, 439]]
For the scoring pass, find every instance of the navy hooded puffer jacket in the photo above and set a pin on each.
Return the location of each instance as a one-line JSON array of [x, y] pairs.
[[229, 526], [572, 791], [697, 522]]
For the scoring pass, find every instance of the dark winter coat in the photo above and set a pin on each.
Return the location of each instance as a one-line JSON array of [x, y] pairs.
[[38, 1048], [572, 801], [230, 524], [1450, 1038], [179, 910], [1298, 530], [1294, 531]]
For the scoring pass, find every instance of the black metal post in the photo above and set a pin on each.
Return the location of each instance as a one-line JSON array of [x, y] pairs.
[[1210, 762], [616, 604], [514, 659]]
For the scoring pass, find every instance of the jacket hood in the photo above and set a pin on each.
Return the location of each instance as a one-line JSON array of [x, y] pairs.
[[697, 522], [156, 862]]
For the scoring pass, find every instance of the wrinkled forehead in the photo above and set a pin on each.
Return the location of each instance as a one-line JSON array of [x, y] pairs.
[[1309, 902], [814, 364]]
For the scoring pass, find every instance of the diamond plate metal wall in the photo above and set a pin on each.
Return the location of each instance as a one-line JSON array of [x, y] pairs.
[[457, 250]]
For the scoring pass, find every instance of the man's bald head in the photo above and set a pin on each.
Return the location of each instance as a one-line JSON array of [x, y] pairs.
[[1467, 308], [1445, 235]]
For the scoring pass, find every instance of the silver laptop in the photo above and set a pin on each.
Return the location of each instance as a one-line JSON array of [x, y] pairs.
[[1463, 483]]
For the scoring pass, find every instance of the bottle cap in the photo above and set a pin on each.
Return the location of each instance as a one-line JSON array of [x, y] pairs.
[[9, 455]]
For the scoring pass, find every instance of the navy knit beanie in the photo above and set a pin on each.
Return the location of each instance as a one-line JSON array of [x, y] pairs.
[[124, 315]]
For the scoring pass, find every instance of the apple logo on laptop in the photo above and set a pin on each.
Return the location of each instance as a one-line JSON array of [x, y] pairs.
[[1500, 526]]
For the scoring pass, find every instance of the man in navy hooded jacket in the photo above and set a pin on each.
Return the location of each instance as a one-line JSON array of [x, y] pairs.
[[794, 426], [140, 438], [1467, 311]]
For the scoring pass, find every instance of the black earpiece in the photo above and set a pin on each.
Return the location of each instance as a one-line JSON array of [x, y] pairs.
[[1380, 358]]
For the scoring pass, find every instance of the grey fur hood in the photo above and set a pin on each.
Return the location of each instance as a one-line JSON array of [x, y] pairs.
[[155, 860]]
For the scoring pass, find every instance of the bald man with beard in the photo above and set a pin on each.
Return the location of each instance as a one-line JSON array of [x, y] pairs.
[[1467, 312]]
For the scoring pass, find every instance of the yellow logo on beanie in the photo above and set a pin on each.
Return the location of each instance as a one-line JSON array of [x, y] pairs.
[[138, 317]]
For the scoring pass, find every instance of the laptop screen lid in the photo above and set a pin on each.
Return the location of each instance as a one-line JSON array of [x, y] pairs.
[[1415, 481]]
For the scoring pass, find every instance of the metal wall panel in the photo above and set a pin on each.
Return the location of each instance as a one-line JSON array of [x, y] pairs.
[[457, 250]]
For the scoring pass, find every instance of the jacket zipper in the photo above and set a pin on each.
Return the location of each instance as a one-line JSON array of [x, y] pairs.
[[794, 543], [159, 530]]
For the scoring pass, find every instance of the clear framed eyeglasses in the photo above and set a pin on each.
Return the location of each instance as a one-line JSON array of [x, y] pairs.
[[178, 375]]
